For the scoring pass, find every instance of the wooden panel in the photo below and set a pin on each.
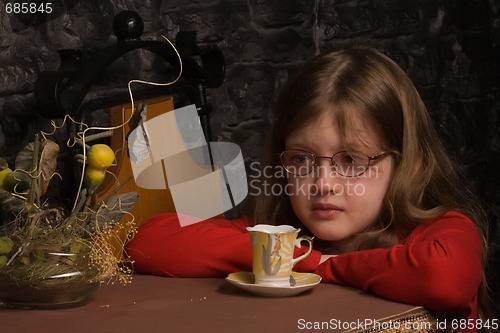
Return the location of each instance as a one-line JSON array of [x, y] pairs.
[[150, 202]]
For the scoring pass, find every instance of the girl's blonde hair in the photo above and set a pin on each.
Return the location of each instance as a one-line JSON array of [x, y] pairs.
[[361, 84]]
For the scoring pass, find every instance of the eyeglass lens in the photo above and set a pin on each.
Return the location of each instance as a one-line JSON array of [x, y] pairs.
[[302, 163]]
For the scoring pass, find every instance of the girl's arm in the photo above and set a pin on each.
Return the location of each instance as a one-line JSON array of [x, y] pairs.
[[439, 266], [212, 248]]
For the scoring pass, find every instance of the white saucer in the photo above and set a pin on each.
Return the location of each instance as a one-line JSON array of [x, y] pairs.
[[246, 281]]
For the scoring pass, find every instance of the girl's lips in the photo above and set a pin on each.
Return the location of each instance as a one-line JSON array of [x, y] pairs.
[[325, 211]]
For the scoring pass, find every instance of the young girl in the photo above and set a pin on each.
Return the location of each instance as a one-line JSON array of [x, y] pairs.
[[365, 173]]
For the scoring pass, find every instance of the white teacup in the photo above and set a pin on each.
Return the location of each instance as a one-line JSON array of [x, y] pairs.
[[272, 251]]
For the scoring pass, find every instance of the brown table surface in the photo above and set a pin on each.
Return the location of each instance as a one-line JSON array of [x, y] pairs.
[[161, 304]]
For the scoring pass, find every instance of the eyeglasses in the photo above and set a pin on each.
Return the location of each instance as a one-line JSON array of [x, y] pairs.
[[302, 163]]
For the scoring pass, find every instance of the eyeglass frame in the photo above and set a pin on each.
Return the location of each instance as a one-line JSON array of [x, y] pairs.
[[332, 162]]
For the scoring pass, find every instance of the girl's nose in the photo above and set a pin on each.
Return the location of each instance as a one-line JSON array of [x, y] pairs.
[[326, 177]]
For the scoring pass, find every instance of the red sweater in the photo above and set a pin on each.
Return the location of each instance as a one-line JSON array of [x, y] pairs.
[[437, 266]]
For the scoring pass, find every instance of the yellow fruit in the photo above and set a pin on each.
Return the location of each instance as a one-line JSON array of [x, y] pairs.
[[100, 156], [3, 261], [3, 173], [6, 245], [76, 246], [16, 182], [93, 178]]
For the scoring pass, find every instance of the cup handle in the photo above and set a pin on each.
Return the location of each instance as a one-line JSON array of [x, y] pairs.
[[298, 242]]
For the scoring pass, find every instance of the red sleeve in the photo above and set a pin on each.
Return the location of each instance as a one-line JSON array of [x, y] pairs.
[[438, 266], [212, 248]]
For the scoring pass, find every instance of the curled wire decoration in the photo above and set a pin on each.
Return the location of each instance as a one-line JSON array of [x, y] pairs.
[[81, 135]]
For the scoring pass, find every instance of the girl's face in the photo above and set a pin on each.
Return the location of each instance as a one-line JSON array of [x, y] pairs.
[[333, 207]]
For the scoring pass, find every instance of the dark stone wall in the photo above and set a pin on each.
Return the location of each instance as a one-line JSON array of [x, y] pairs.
[[450, 49]]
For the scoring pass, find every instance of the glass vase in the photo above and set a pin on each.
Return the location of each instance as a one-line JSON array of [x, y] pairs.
[[47, 280]]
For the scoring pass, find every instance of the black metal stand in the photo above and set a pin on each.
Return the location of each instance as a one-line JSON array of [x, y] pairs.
[[63, 91]]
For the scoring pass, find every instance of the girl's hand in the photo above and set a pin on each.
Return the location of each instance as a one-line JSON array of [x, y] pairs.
[[325, 257]]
